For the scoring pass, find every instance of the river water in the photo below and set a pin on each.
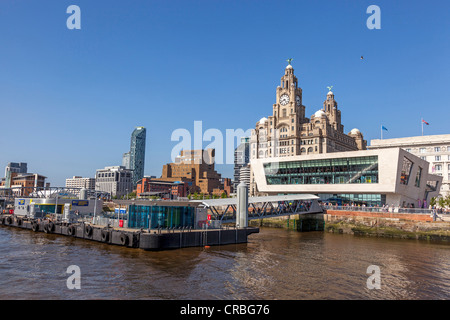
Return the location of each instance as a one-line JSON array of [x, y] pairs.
[[275, 264]]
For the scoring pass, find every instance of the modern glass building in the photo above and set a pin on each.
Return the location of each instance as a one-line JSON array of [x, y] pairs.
[[371, 177], [142, 216], [323, 171], [137, 154]]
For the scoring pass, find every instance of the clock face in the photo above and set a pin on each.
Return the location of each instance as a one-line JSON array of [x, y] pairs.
[[297, 100], [284, 99]]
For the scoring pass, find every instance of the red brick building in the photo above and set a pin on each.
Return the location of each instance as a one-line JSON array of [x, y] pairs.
[[164, 188]]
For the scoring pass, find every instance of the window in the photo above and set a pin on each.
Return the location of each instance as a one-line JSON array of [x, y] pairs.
[[418, 176], [437, 158], [423, 158], [437, 149], [284, 112], [406, 171], [422, 150], [408, 150], [323, 171], [438, 167]]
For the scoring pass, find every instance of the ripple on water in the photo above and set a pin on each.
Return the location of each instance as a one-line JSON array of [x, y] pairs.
[[274, 264]]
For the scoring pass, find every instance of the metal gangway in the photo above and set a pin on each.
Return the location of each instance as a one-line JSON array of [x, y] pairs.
[[225, 209], [49, 192]]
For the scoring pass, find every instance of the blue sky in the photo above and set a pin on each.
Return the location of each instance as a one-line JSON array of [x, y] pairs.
[[69, 99]]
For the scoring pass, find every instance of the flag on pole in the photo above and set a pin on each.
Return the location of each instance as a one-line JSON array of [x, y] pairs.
[[383, 128], [423, 121]]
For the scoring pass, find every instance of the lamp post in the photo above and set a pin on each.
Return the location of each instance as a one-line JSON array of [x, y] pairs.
[[56, 205], [95, 207]]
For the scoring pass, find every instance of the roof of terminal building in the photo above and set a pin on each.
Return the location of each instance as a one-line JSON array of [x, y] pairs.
[[234, 201]]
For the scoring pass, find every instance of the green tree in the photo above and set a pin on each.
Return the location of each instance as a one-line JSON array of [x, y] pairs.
[[433, 201], [447, 201], [224, 195]]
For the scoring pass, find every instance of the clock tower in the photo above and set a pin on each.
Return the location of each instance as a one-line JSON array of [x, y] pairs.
[[287, 132], [289, 98], [279, 134]]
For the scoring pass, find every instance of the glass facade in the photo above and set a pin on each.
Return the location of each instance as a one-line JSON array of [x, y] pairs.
[[137, 154], [353, 199], [323, 171], [160, 216]]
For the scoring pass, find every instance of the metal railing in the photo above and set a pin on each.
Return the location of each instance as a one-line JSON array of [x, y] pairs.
[[385, 209]]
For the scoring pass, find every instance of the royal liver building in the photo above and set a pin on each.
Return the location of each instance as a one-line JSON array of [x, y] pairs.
[[287, 132]]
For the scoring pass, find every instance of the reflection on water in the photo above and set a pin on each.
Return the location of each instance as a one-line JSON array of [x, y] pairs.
[[275, 264]]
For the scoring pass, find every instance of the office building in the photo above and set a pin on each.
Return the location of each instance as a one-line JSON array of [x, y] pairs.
[[23, 184], [17, 167], [433, 148], [78, 182], [14, 167], [116, 180], [126, 160]]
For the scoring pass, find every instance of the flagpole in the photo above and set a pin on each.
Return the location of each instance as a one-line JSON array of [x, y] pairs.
[[381, 132], [422, 125]]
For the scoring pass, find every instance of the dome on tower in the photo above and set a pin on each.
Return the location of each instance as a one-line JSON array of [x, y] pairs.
[[263, 120], [355, 131], [319, 114], [329, 93]]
